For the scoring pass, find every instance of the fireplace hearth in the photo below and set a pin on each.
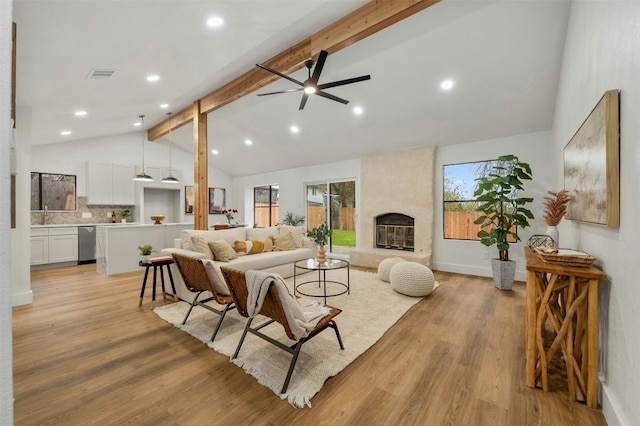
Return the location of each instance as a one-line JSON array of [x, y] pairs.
[[395, 231]]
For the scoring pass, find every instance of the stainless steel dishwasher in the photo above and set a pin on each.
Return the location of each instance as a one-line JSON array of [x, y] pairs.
[[86, 244]]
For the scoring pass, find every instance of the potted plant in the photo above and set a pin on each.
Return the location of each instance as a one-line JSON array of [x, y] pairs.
[[123, 215], [145, 252], [229, 214], [320, 235], [502, 213], [555, 207], [293, 219]]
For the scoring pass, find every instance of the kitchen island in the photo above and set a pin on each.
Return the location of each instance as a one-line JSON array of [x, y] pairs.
[[117, 245]]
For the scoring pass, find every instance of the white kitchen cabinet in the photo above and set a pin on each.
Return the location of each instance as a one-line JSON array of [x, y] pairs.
[[54, 245], [110, 184], [40, 250]]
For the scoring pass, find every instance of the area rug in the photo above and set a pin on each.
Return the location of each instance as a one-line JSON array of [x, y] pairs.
[[370, 309]]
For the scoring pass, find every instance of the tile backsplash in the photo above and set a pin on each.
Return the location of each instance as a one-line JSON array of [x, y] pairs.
[[99, 214]]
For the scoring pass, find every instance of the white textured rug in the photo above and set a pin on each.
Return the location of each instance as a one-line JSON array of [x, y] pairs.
[[370, 309]]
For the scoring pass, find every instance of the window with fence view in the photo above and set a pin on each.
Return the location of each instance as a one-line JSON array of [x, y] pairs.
[[459, 205]]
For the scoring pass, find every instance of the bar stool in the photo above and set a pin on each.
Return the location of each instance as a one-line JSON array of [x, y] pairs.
[[156, 263]]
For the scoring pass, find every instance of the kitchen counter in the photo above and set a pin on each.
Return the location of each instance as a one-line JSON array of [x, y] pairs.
[[58, 225], [117, 244]]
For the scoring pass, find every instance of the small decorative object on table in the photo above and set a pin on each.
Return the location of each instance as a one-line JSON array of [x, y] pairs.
[[157, 218], [229, 214], [145, 252], [320, 235], [565, 257], [555, 207], [544, 241]]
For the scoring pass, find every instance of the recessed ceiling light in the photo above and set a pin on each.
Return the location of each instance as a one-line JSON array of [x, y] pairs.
[[214, 152], [446, 84], [65, 133], [215, 22], [358, 110], [137, 124], [248, 141], [294, 129], [153, 77], [163, 106], [80, 113]]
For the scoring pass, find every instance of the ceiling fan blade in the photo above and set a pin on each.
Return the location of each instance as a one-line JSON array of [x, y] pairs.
[[280, 91], [280, 74], [333, 98], [319, 65], [303, 102], [343, 82]]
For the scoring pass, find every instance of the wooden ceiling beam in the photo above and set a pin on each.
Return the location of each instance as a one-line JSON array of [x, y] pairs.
[[357, 25]]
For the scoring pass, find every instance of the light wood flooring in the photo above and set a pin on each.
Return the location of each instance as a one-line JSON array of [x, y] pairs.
[[85, 353]]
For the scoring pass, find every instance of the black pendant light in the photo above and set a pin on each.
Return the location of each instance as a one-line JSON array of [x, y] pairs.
[[143, 176], [170, 178]]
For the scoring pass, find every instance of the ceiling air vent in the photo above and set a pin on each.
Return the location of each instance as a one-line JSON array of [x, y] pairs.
[[100, 74]]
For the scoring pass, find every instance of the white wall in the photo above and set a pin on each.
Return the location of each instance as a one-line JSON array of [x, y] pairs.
[[471, 257], [6, 290], [602, 52]]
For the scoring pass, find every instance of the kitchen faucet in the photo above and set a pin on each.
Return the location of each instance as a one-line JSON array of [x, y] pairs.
[[46, 215]]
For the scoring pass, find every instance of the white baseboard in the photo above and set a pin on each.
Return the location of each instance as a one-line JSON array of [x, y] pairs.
[[479, 271], [611, 408], [24, 298]]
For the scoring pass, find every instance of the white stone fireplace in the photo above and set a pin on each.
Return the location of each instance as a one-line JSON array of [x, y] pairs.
[[400, 183]]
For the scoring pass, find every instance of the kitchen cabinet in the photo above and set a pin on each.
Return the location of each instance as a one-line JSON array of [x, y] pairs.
[[110, 184], [54, 245]]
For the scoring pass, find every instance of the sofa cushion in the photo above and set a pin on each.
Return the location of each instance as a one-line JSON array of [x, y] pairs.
[[283, 242], [271, 259], [200, 244], [268, 244], [222, 250], [297, 233], [216, 277], [252, 246], [261, 233]]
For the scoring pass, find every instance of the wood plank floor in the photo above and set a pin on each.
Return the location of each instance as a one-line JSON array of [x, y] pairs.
[[85, 353]]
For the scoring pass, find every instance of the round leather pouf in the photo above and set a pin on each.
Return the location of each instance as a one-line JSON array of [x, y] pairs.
[[385, 267], [411, 278]]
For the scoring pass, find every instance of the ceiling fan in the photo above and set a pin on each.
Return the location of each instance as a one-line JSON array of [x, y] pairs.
[[311, 86]]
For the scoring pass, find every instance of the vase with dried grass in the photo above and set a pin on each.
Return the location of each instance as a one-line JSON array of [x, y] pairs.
[[555, 207]]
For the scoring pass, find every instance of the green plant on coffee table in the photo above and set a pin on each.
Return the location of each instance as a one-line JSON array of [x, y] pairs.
[[502, 210], [293, 219], [146, 249], [320, 234]]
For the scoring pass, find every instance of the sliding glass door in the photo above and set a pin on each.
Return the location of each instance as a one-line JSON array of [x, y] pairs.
[[336, 201]]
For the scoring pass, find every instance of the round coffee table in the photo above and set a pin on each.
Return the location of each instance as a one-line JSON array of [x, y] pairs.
[[313, 265]]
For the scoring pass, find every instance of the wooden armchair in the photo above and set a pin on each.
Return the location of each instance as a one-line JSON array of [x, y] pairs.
[[272, 308], [197, 281]]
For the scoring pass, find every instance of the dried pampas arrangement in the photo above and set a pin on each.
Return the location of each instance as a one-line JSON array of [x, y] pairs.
[[555, 206]]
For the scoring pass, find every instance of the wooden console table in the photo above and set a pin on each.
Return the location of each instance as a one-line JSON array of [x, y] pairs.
[[567, 297]]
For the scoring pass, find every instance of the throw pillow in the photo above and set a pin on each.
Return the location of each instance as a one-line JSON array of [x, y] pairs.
[[200, 244], [283, 242], [268, 244], [222, 251], [297, 233], [256, 247], [243, 247], [215, 276]]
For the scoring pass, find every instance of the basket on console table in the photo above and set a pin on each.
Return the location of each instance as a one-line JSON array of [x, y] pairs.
[[566, 257]]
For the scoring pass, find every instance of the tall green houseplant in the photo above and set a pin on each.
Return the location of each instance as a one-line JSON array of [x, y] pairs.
[[503, 212]]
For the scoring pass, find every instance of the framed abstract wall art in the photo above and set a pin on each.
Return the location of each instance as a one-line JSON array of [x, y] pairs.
[[217, 200], [592, 165]]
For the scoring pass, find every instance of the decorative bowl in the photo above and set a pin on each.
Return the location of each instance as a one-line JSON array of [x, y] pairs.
[[157, 218]]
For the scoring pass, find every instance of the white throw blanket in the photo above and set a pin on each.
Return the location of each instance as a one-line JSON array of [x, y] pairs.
[[302, 315]]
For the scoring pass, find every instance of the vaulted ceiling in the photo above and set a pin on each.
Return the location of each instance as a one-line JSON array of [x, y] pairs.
[[504, 58]]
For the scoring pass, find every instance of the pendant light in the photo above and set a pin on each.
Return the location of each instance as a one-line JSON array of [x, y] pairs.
[[143, 176], [170, 178]]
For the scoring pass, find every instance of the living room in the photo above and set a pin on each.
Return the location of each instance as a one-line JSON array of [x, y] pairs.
[[599, 55]]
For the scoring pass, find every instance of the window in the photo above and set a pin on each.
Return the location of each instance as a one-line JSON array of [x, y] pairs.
[[337, 201], [458, 200], [53, 191], [265, 205]]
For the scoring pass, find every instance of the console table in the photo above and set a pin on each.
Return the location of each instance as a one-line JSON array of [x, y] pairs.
[[567, 297]]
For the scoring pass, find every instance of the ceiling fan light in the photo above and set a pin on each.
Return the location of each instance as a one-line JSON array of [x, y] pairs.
[[310, 90]]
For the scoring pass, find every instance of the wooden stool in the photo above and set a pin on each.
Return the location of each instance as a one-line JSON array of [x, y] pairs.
[[157, 262]]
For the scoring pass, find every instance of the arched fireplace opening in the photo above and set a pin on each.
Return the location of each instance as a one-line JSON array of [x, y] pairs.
[[395, 231]]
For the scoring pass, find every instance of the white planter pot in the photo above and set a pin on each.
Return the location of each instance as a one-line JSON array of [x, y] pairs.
[[504, 272]]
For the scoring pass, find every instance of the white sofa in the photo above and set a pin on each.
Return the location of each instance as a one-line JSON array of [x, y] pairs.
[[276, 261]]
